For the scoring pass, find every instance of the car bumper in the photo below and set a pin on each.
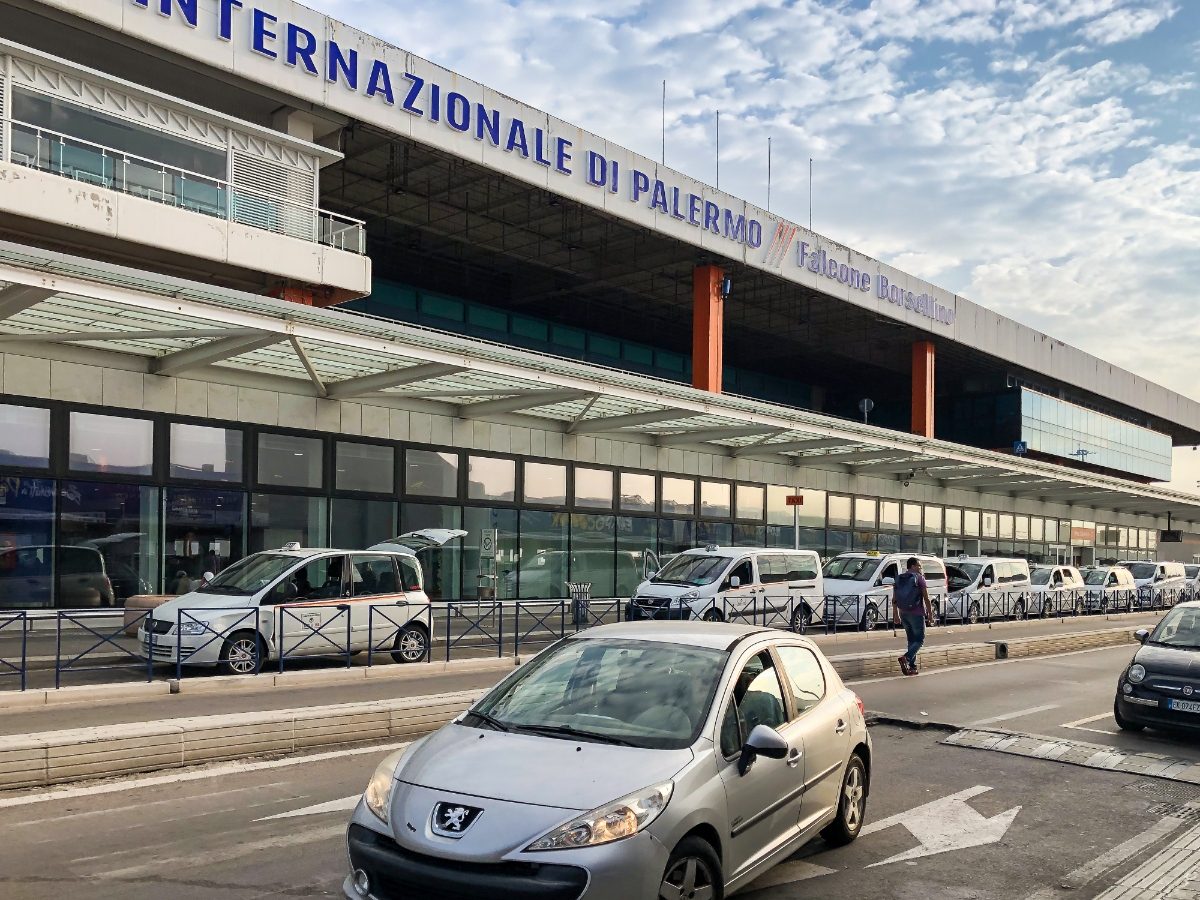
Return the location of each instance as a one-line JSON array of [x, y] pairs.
[[202, 651], [618, 871], [1154, 713], [636, 612]]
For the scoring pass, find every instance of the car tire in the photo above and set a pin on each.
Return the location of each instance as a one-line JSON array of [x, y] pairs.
[[852, 805], [693, 867], [801, 618], [870, 620], [412, 644], [1123, 723], [973, 613], [714, 615], [243, 653]]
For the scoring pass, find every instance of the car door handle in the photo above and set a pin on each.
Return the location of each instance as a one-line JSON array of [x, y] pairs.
[[841, 727], [794, 756]]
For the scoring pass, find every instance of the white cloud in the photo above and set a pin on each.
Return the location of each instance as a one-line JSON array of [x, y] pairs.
[[1127, 23]]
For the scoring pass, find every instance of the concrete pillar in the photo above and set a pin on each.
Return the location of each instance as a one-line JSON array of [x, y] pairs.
[[924, 356], [708, 328]]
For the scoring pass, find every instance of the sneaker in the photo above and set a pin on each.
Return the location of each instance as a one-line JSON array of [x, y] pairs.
[[913, 670], [905, 665]]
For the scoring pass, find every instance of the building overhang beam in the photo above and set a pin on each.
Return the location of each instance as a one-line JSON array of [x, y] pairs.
[[370, 384], [605, 424], [17, 298], [526, 400], [701, 435], [212, 352]]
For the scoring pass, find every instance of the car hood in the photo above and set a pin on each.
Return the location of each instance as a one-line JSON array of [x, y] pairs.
[[1168, 661], [536, 770], [848, 587], [650, 589], [195, 602]]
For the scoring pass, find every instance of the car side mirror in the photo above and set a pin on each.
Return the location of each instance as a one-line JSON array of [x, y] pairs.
[[650, 573], [887, 582], [735, 582], [1142, 635], [987, 582], [763, 741]]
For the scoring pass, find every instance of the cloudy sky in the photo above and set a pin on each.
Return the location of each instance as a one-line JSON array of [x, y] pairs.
[[1038, 156]]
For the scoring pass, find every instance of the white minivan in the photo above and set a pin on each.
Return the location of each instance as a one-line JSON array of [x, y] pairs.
[[1158, 583], [775, 586], [986, 587], [1109, 588], [300, 602], [1056, 590], [858, 586]]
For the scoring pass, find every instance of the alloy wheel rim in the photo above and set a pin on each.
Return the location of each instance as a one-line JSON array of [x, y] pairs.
[[853, 793], [412, 645], [241, 656], [688, 879]]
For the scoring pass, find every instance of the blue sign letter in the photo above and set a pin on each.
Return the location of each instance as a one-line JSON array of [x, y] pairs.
[[301, 45], [262, 34], [380, 82], [225, 18], [346, 65]]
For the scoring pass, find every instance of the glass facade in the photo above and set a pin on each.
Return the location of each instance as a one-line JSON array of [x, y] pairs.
[[1058, 428]]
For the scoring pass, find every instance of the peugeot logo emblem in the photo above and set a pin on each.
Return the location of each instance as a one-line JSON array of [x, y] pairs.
[[1187, 691], [451, 820]]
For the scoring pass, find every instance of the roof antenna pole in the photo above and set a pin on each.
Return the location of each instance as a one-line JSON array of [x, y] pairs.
[[810, 193], [664, 123], [768, 174], [718, 184]]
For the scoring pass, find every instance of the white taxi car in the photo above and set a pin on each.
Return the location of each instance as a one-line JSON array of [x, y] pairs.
[[301, 602]]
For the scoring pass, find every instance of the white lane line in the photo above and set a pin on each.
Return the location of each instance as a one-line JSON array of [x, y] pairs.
[[1111, 859], [345, 804], [788, 873], [146, 804], [1015, 715], [221, 771], [1089, 719]]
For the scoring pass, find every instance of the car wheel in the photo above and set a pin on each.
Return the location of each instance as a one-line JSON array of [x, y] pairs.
[[1123, 723], [693, 873], [714, 615], [801, 618], [412, 644], [870, 619], [852, 805], [242, 654], [973, 614]]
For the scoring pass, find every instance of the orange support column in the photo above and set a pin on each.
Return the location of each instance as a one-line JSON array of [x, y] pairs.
[[924, 357], [708, 328]]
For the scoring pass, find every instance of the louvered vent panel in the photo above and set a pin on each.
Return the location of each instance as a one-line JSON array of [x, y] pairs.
[[272, 196]]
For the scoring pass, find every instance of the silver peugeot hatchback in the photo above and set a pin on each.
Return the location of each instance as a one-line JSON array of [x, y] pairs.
[[645, 760]]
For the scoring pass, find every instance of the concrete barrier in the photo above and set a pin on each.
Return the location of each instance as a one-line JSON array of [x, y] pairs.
[[1018, 648]]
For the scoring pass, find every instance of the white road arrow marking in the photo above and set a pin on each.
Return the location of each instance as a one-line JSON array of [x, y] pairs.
[[343, 805], [946, 824], [789, 873]]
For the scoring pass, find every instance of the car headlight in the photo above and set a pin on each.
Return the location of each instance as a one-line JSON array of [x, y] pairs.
[[620, 819], [194, 628], [378, 795], [1136, 673]]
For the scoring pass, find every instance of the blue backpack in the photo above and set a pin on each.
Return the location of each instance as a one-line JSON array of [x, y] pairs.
[[907, 593]]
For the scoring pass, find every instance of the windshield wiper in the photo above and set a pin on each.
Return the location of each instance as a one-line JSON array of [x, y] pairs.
[[491, 720], [568, 731]]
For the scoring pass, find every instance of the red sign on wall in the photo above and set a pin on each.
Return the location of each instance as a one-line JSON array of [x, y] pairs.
[[795, 500]]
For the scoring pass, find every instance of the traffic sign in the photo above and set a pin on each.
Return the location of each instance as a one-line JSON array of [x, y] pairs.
[[795, 500]]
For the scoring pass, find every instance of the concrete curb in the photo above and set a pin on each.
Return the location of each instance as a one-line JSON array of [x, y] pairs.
[[15, 701], [53, 757]]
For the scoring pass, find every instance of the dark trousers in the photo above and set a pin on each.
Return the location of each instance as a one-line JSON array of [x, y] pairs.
[[914, 630]]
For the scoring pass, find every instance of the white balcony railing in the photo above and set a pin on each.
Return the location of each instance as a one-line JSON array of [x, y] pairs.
[[61, 154]]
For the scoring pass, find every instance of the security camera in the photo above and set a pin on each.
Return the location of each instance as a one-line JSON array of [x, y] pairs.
[[906, 482]]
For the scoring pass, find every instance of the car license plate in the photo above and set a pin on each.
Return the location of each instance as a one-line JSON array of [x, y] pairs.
[[1191, 706]]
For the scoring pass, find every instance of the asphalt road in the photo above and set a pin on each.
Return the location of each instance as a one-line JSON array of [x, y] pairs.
[[275, 829]]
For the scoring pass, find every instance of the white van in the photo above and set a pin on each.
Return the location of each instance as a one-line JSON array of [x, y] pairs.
[[1107, 588], [301, 602], [1056, 590], [986, 587], [1192, 590], [726, 583], [858, 586], [1158, 583]]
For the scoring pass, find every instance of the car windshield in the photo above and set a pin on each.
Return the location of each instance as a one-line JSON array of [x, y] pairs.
[[1040, 576], [644, 693], [692, 570], [962, 575], [1142, 570], [1191, 571], [250, 575], [1179, 628], [1096, 576], [852, 568]]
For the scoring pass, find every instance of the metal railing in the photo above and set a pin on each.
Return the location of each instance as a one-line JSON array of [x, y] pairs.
[[14, 665], [407, 637], [543, 626], [315, 628], [486, 623], [109, 640], [242, 622], [71, 157]]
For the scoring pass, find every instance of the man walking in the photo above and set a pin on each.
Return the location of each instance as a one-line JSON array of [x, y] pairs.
[[911, 607]]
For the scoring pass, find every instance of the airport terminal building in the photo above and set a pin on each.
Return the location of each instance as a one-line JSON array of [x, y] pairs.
[[264, 278]]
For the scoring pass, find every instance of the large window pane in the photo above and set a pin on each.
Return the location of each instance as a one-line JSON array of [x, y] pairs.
[[991, 525], [545, 484], [971, 523], [476, 520], [637, 492], [749, 535], [491, 478], [675, 536], [636, 537], [593, 488], [206, 454], [750, 502], [933, 520], [111, 444], [358, 524], [912, 517], [285, 460], [440, 566], [430, 474], [543, 550], [678, 496], [715, 499], [1006, 527], [719, 533], [24, 436], [26, 543], [839, 511], [205, 531], [593, 552], [277, 519], [365, 467], [106, 529], [954, 521], [889, 515], [1036, 531], [864, 513], [1021, 528]]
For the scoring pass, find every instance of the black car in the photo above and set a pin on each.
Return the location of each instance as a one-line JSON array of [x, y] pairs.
[[1161, 686]]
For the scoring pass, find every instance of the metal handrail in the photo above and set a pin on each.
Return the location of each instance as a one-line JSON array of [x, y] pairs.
[[225, 206]]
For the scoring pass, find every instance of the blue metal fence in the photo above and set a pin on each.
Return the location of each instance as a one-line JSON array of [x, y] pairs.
[[13, 665], [236, 641], [109, 640], [326, 635]]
